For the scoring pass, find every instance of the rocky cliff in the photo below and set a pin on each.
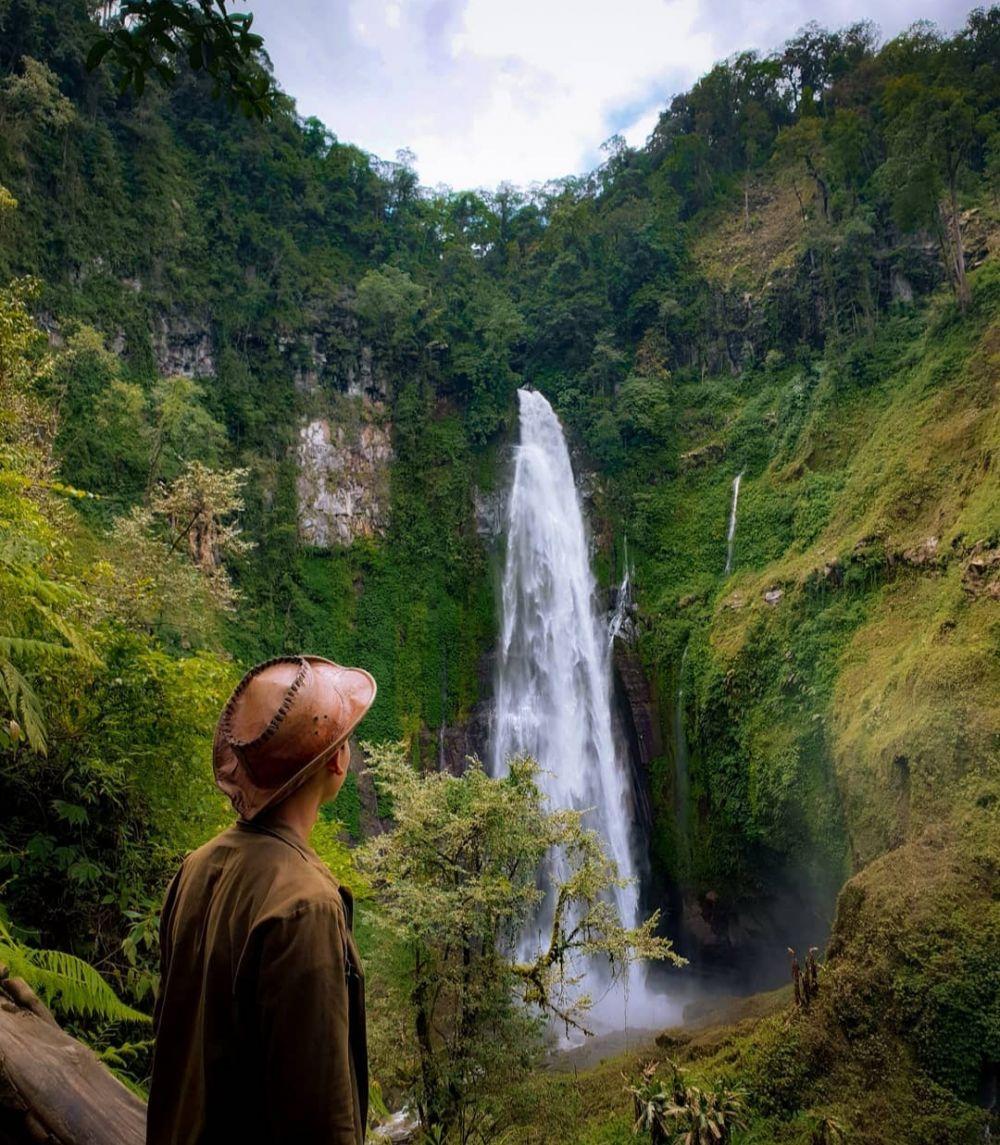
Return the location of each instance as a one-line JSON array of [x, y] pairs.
[[343, 475]]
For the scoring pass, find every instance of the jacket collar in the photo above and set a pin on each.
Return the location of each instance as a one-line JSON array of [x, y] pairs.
[[287, 835], [278, 831]]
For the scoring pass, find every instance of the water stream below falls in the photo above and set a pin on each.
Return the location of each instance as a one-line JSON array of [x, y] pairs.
[[553, 686]]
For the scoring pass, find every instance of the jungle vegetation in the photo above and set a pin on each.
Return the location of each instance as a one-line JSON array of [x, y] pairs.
[[793, 279]]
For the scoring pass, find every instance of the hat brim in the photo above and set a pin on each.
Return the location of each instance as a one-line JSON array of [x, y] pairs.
[[357, 689]]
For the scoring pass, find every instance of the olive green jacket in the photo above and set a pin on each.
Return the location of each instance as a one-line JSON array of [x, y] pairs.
[[260, 1017]]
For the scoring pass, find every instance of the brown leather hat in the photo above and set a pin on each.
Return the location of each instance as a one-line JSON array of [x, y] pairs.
[[282, 723]]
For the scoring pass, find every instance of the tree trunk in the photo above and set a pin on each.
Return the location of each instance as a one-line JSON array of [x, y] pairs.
[[52, 1087], [430, 1105], [821, 186], [802, 206], [961, 282]]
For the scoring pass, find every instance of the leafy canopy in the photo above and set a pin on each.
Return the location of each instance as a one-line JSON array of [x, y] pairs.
[[149, 36]]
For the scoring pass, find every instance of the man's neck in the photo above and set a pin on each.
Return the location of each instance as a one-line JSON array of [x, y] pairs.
[[298, 813]]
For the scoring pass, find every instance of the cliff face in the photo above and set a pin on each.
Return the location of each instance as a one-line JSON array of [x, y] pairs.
[[343, 454], [182, 344], [342, 479]]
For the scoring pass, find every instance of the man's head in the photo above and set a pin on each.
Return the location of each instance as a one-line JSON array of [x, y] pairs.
[[286, 725]]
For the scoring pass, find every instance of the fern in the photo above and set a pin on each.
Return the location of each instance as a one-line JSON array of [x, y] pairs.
[[40, 600], [65, 983], [125, 1060], [23, 701]]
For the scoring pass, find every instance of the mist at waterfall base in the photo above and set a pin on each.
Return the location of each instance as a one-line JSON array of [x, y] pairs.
[[553, 695]]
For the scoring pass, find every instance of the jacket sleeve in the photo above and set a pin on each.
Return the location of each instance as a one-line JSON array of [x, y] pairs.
[[166, 945], [302, 1008]]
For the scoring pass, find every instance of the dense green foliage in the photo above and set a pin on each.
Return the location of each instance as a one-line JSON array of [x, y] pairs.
[[792, 280], [456, 879]]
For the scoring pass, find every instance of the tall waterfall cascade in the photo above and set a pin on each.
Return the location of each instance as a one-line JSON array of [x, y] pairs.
[[553, 684], [731, 531]]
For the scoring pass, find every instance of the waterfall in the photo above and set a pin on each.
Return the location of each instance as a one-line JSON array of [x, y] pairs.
[[731, 534], [553, 687], [620, 623]]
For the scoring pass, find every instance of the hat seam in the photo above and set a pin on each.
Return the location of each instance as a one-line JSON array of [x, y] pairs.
[[283, 708]]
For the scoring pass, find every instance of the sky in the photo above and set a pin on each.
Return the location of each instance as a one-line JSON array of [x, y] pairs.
[[522, 91]]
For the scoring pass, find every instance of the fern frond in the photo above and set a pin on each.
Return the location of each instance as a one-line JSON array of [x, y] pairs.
[[24, 702], [66, 983], [26, 646], [123, 1059]]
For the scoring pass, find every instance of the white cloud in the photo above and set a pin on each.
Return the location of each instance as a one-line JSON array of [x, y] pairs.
[[522, 90]]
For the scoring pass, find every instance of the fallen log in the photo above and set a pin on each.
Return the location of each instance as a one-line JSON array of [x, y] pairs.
[[52, 1087]]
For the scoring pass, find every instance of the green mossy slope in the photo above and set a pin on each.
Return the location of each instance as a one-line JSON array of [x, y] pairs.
[[898, 1046], [842, 684]]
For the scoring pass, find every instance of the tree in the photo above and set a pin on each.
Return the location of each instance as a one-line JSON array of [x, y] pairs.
[[804, 142], [196, 506], [756, 132], [392, 309], [456, 882], [931, 131], [102, 432], [808, 62], [643, 410], [182, 428], [33, 100], [146, 37], [498, 329], [993, 165]]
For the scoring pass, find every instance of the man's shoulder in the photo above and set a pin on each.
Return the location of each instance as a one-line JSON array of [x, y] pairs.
[[286, 875]]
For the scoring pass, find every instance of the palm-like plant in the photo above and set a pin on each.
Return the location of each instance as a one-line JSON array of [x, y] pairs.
[[828, 1131], [705, 1117], [651, 1096], [32, 635], [684, 1115]]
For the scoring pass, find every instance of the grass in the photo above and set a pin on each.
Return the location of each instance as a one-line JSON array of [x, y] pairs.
[[736, 256]]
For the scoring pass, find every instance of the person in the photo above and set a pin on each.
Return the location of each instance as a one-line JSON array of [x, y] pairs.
[[260, 1015]]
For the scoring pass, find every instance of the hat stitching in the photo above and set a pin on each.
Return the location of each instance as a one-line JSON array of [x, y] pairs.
[[283, 708]]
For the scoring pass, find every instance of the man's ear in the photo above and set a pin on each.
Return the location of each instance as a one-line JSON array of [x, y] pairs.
[[337, 763]]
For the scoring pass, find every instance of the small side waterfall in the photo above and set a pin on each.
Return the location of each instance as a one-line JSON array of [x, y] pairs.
[[731, 533], [620, 623], [553, 691]]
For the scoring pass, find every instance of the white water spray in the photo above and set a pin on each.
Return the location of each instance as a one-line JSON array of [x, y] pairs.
[[731, 534], [553, 695]]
